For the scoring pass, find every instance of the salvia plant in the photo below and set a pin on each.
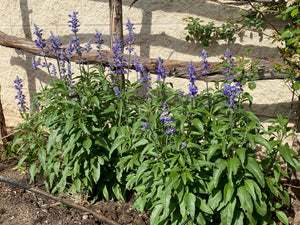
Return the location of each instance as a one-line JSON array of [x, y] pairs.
[[187, 157]]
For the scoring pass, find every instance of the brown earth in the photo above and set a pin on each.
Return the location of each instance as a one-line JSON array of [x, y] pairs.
[[18, 206]]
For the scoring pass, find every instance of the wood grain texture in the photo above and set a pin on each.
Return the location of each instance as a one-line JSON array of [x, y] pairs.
[[174, 68]]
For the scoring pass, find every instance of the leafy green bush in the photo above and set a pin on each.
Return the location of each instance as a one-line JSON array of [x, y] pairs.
[[185, 156], [205, 34]]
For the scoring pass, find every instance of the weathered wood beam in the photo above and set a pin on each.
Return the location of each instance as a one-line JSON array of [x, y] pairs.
[[175, 68], [116, 24]]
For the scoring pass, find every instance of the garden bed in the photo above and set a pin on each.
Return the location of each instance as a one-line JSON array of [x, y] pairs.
[[23, 207]]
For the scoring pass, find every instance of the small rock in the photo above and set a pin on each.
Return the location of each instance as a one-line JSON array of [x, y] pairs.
[[85, 217]]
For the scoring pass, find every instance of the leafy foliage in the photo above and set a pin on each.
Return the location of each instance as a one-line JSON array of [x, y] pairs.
[[205, 34], [184, 156]]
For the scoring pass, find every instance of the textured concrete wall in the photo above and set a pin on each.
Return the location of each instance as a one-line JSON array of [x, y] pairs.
[[159, 32]]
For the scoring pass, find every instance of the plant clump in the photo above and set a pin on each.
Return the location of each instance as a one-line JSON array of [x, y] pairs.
[[184, 156]]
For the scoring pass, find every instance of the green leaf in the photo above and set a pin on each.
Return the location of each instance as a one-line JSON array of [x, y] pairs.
[[154, 218], [32, 171], [296, 86], [42, 159], [261, 207], [285, 152], [140, 143], [227, 213], [139, 203], [117, 192], [276, 170], [221, 164], [251, 85], [141, 170], [260, 140], [251, 218], [249, 50], [77, 184], [96, 101], [245, 199], [254, 168], [228, 192], [282, 217], [69, 125], [96, 171], [239, 219], [56, 167], [198, 124], [190, 200], [232, 166], [70, 145], [140, 188], [214, 199], [211, 151], [241, 152], [120, 140], [294, 12], [105, 192], [250, 188], [83, 127], [204, 207], [87, 143]]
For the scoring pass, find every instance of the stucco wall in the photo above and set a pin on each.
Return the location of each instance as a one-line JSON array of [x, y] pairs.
[[159, 32]]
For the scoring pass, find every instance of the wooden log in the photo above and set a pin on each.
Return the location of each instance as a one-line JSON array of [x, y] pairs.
[[174, 68], [3, 129], [116, 24]]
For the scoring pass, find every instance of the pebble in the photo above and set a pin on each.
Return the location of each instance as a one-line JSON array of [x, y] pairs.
[[85, 217]]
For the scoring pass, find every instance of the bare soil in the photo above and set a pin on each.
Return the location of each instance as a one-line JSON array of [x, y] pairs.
[[18, 206]]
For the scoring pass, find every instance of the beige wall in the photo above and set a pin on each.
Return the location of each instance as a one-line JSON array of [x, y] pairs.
[[159, 32]]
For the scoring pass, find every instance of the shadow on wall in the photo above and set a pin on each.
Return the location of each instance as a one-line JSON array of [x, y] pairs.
[[270, 111], [28, 57], [200, 8]]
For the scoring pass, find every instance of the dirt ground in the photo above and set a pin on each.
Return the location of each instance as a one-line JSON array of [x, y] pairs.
[[18, 206]]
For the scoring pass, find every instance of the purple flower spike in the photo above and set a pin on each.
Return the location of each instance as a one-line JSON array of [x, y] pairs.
[[130, 40], [232, 92], [117, 92], [145, 126], [180, 93], [170, 130], [55, 41], [205, 64], [192, 73], [193, 76], [119, 62], [74, 22], [69, 50], [229, 60], [193, 91], [53, 72], [20, 96], [88, 47], [40, 41], [99, 42], [76, 45], [161, 71], [34, 64], [166, 119]]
